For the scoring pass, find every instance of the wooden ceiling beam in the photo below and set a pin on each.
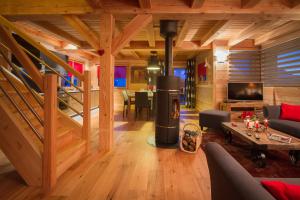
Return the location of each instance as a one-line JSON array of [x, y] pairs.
[[223, 8], [33, 7], [279, 31], [83, 29], [197, 3], [95, 3], [160, 46], [248, 32], [214, 32], [282, 39], [39, 35], [150, 35], [135, 54], [52, 29], [249, 3], [290, 3], [181, 36], [145, 4], [130, 30]]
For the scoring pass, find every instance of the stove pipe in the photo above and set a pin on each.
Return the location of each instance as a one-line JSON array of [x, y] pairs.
[[168, 30], [168, 102]]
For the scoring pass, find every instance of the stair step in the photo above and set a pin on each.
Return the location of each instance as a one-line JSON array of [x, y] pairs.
[[65, 135], [69, 155]]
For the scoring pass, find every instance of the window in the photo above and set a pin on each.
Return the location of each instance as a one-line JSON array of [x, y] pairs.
[[180, 72], [120, 76], [77, 66], [244, 66], [281, 64]]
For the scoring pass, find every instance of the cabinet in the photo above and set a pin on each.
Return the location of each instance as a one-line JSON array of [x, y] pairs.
[[237, 108]]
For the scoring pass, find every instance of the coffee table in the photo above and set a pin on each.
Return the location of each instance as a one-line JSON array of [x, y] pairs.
[[260, 146]]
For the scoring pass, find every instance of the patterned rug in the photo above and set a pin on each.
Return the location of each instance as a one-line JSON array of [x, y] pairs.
[[278, 162]]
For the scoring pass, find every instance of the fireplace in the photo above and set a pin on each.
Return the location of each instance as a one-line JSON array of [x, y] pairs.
[[168, 97]]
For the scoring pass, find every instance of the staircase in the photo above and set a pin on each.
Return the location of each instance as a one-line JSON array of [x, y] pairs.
[[41, 143]]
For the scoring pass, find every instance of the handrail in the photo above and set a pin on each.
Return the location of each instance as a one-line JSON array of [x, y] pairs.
[[22, 57], [22, 114], [17, 69], [53, 70], [40, 47]]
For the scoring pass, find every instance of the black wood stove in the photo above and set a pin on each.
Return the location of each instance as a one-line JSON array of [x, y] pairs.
[[168, 102]]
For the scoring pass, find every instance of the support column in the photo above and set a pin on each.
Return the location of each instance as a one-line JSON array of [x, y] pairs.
[[106, 84], [87, 109], [50, 117]]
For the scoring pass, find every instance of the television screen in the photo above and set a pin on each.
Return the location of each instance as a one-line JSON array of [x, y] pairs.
[[245, 91]]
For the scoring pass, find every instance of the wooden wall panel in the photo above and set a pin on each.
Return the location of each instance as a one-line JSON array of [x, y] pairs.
[[278, 95], [204, 90]]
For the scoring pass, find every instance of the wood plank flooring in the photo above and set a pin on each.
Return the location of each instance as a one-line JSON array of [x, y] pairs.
[[133, 170]]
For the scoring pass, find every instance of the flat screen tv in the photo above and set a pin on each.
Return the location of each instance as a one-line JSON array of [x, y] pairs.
[[245, 91]]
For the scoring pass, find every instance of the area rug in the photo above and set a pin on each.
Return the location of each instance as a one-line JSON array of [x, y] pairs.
[[278, 162]]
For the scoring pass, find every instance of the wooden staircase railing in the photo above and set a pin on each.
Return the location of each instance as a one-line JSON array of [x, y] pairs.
[[47, 83]]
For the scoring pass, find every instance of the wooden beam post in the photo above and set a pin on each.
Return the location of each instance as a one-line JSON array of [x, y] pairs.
[[106, 104], [50, 117], [130, 30], [87, 109]]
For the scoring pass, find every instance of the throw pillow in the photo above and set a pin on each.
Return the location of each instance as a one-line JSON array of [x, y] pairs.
[[281, 190], [290, 112]]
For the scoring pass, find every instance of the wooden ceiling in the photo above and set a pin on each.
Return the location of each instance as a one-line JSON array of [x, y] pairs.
[[62, 22]]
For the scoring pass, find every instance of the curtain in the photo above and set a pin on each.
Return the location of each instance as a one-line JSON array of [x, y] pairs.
[[281, 64], [190, 84], [244, 66]]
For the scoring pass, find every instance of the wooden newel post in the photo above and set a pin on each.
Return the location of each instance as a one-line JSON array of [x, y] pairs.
[[50, 119], [87, 109]]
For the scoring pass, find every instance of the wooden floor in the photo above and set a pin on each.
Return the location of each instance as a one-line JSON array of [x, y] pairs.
[[133, 170]]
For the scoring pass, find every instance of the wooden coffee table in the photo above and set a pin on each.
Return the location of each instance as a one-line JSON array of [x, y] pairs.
[[260, 146]]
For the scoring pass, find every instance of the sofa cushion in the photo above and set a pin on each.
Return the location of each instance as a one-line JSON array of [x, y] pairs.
[[281, 190], [271, 112], [286, 126], [213, 118], [290, 112]]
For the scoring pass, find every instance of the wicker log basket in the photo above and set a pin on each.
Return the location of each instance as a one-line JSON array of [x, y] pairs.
[[190, 140]]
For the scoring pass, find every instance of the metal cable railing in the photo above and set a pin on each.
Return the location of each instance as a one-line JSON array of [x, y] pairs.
[[22, 97], [52, 70], [32, 110], [22, 114], [18, 69], [18, 73]]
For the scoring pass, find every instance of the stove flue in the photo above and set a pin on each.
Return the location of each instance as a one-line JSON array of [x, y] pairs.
[[168, 103]]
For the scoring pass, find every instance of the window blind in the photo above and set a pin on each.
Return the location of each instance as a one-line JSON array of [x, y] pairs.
[[281, 64], [244, 66]]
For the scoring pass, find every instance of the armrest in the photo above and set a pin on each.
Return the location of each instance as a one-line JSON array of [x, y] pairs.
[[230, 178], [272, 112]]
